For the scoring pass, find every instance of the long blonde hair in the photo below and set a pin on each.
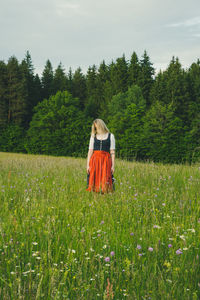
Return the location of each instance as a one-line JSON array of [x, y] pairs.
[[101, 125]]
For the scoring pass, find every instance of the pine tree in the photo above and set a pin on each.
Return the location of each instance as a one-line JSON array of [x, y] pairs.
[[59, 80], [17, 93], [27, 71], [119, 75], [91, 81], [47, 80], [79, 87], [145, 79], [92, 106], [37, 90], [103, 85], [70, 81], [177, 90], [133, 70], [3, 95], [158, 90]]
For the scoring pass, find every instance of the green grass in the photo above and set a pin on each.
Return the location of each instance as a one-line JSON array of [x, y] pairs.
[[55, 236]]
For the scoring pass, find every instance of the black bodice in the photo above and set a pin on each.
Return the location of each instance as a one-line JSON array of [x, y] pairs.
[[103, 145]]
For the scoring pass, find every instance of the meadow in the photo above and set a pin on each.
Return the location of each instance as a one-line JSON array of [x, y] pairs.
[[58, 241]]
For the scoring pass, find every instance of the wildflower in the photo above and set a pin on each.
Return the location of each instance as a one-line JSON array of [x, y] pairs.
[[156, 226], [139, 247], [107, 259], [170, 245], [150, 249], [163, 204], [167, 264], [179, 251], [102, 222], [112, 253], [73, 251], [132, 233], [104, 247], [35, 243]]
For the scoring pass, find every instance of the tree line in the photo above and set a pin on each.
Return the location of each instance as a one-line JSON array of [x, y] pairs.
[[154, 117]]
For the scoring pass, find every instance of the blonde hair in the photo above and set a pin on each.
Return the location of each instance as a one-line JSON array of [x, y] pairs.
[[101, 125]]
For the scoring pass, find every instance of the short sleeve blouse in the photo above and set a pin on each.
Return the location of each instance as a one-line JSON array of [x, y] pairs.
[[112, 141]]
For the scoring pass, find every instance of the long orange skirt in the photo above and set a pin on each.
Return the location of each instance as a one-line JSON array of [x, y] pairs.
[[100, 179]]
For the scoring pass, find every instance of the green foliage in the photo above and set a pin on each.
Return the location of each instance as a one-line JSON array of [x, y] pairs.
[[13, 138], [145, 77], [163, 135], [125, 94], [58, 127], [79, 87], [47, 80], [125, 119], [3, 95], [59, 79]]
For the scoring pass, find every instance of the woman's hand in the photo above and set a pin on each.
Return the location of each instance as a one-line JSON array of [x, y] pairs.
[[88, 169], [112, 170]]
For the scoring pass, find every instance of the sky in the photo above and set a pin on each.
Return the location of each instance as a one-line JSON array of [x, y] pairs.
[[80, 33]]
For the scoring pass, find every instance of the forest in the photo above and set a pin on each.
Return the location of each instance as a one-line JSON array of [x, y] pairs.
[[154, 116]]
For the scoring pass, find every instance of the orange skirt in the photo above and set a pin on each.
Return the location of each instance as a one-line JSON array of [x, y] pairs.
[[100, 179]]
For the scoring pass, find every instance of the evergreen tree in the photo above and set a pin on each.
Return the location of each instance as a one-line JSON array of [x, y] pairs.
[[27, 71], [3, 95], [133, 70], [17, 93], [193, 80], [91, 81], [37, 90], [103, 86], [145, 80], [158, 90], [119, 75], [70, 81], [79, 87], [177, 90], [47, 81], [92, 106], [125, 120], [59, 80], [162, 138]]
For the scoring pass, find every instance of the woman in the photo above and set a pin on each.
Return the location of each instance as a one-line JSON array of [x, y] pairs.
[[101, 158]]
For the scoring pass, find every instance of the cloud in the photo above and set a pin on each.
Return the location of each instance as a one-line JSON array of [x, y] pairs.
[[187, 23], [84, 32]]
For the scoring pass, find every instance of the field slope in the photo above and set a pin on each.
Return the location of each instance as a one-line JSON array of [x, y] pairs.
[[58, 241]]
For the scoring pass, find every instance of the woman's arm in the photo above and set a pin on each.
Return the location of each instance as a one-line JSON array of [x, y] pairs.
[[90, 152], [112, 153]]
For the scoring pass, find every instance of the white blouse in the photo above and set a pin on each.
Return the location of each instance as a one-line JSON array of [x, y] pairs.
[[103, 137]]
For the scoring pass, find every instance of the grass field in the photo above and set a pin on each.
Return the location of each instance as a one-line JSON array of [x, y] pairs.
[[58, 241]]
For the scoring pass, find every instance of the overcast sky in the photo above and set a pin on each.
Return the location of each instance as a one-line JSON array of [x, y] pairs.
[[84, 32]]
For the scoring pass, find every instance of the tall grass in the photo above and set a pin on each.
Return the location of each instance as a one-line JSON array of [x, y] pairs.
[[58, 241]]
